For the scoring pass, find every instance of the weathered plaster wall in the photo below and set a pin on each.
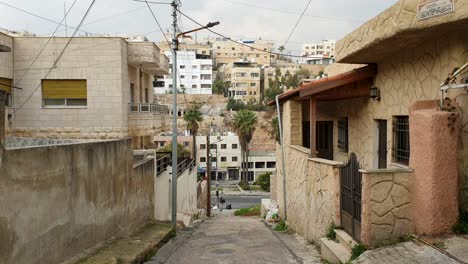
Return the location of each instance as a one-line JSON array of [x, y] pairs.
[[59, 200], [292, 123], [386, 205], [312, 192]]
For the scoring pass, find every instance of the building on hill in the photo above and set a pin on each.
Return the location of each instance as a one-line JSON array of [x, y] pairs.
[[269, 72], [244, 79], [324, 47], [194, 71], [101, 88], [227, 52]]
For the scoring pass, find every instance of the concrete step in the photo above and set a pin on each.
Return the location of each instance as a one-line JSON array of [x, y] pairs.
[[334, 252], [346, 240]]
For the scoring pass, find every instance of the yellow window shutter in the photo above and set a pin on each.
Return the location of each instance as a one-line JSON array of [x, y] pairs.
[[5, 84], [64, 89]]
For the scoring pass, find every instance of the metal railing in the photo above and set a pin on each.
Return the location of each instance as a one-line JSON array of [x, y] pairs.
[[148, 108], [183, 164]]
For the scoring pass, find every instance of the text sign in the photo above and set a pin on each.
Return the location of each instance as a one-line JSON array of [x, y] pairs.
[[435, 8]]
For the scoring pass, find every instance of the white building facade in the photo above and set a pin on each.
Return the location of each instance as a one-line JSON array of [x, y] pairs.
[[324, 47], [195, 74]]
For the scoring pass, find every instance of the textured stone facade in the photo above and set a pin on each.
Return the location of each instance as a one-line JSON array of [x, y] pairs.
[[386, 205], [312, 192]]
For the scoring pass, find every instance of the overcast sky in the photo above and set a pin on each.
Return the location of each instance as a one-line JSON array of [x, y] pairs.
[[247, 19]]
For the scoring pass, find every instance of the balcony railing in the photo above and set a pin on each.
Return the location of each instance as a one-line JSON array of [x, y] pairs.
[[183, 165], [149, 108]]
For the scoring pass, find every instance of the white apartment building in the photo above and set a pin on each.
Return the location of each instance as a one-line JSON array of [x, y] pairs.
[[101, 88], [324, 47], [226, 159], [195, 74]]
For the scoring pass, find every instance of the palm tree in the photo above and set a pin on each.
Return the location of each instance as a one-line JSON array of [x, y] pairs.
[[193, 117], [244, 123]]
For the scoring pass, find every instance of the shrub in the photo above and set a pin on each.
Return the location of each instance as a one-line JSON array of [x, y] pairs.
[[244, 185], [249, 211], [281, 226], [357, 251], [263, 181], [331, 234], [461, 227]]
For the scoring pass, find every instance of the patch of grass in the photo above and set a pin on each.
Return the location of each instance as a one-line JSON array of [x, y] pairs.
[[439, 244], [461, 227], [331, 234], [281, 226], [249, 211], [357, 251], [391, 242], [244, 186]]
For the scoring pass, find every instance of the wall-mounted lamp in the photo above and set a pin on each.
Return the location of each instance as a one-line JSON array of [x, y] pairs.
[[375, 93]]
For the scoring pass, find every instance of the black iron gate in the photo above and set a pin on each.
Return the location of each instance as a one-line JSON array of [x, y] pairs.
[[351, 189]]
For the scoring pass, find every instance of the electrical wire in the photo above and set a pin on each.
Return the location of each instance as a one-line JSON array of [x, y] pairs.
[[54, 65], [239, 43], [297, 23], [45, 45]]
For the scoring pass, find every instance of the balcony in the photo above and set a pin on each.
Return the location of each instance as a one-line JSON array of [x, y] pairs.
[[147, 119], [147, 55], [135, 108]]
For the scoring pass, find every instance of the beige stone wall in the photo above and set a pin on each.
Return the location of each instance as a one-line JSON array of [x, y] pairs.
[[386, 205], [292, 123], [58, 201], [6, 58], [312, 192], [226, 52]]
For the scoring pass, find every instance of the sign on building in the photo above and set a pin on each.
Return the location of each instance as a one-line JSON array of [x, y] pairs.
[[432, 8]]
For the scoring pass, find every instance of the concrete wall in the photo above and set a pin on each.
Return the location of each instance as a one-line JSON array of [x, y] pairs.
[[312, 192], [186, 196], [386, 205], [59, 200]]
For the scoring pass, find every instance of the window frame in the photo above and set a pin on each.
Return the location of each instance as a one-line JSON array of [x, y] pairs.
[[343, 131], [401, 151]]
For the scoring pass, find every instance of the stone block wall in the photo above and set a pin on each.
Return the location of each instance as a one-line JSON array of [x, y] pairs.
[[6, 58], [292, 123], [386, 205], [312, 192], [60, 200]]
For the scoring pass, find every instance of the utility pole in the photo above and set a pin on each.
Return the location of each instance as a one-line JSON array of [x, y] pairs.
[[174, 113], [208, 172]]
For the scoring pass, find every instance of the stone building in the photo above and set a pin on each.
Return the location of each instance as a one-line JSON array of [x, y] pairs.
[[101, 87], [226, 51], [244, 80], [378, 146]]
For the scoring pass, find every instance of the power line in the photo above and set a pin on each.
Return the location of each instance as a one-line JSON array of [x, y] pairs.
[[54, 65], [297, 23], [45, 45], [239, 43], [293, 12]]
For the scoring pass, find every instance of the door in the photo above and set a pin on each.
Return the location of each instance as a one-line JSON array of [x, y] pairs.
[[306, 134], [324, 138], [382, 144], [350, 197]]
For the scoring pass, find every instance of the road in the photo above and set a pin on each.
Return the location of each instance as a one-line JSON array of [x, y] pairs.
[[228, 239], [241, 201]]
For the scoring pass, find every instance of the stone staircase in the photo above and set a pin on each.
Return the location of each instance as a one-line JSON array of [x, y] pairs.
[[338, 251]]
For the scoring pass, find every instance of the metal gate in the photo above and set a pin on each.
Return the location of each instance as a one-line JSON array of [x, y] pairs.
[[351, 189]]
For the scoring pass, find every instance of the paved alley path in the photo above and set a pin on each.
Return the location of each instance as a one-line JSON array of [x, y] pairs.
[[229, 239]]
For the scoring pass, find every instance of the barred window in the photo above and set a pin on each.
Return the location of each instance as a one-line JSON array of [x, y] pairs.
[[401, 144], [343, 134]]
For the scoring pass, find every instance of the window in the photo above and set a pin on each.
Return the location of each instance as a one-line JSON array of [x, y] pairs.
[[182, 76], [343, 134], [182, 66], [202, 159], [205, 76], [161, 143], [5, 85], [233, 48], [241, 74], [401, 144], [223, 159], [132, 92], [241, 85], [194, 86], [234, 159], [271, 164], [194, 77], [186, 143], [212, 146], [253, 84], [213, 159], [219, 47], [202, 146], [259, 165], [146, 95], [64, 93], [223, 146], [194, 67], [234, 146], [205, 85]]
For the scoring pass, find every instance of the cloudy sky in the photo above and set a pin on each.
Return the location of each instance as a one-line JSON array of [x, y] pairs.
[[246, 19]]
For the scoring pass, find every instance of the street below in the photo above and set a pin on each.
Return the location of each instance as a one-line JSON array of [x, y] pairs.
[[230, 239], [238, 201]]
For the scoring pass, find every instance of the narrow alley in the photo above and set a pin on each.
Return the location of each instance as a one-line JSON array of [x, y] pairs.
[[231, 239]]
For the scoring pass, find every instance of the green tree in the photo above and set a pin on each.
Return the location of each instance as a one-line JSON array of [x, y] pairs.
[[281, 82], [245, 122], [193, 117], [281, 49], [219, 87]]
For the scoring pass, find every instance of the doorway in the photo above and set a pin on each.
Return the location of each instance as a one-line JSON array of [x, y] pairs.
[[325, 139], [382, 144]]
